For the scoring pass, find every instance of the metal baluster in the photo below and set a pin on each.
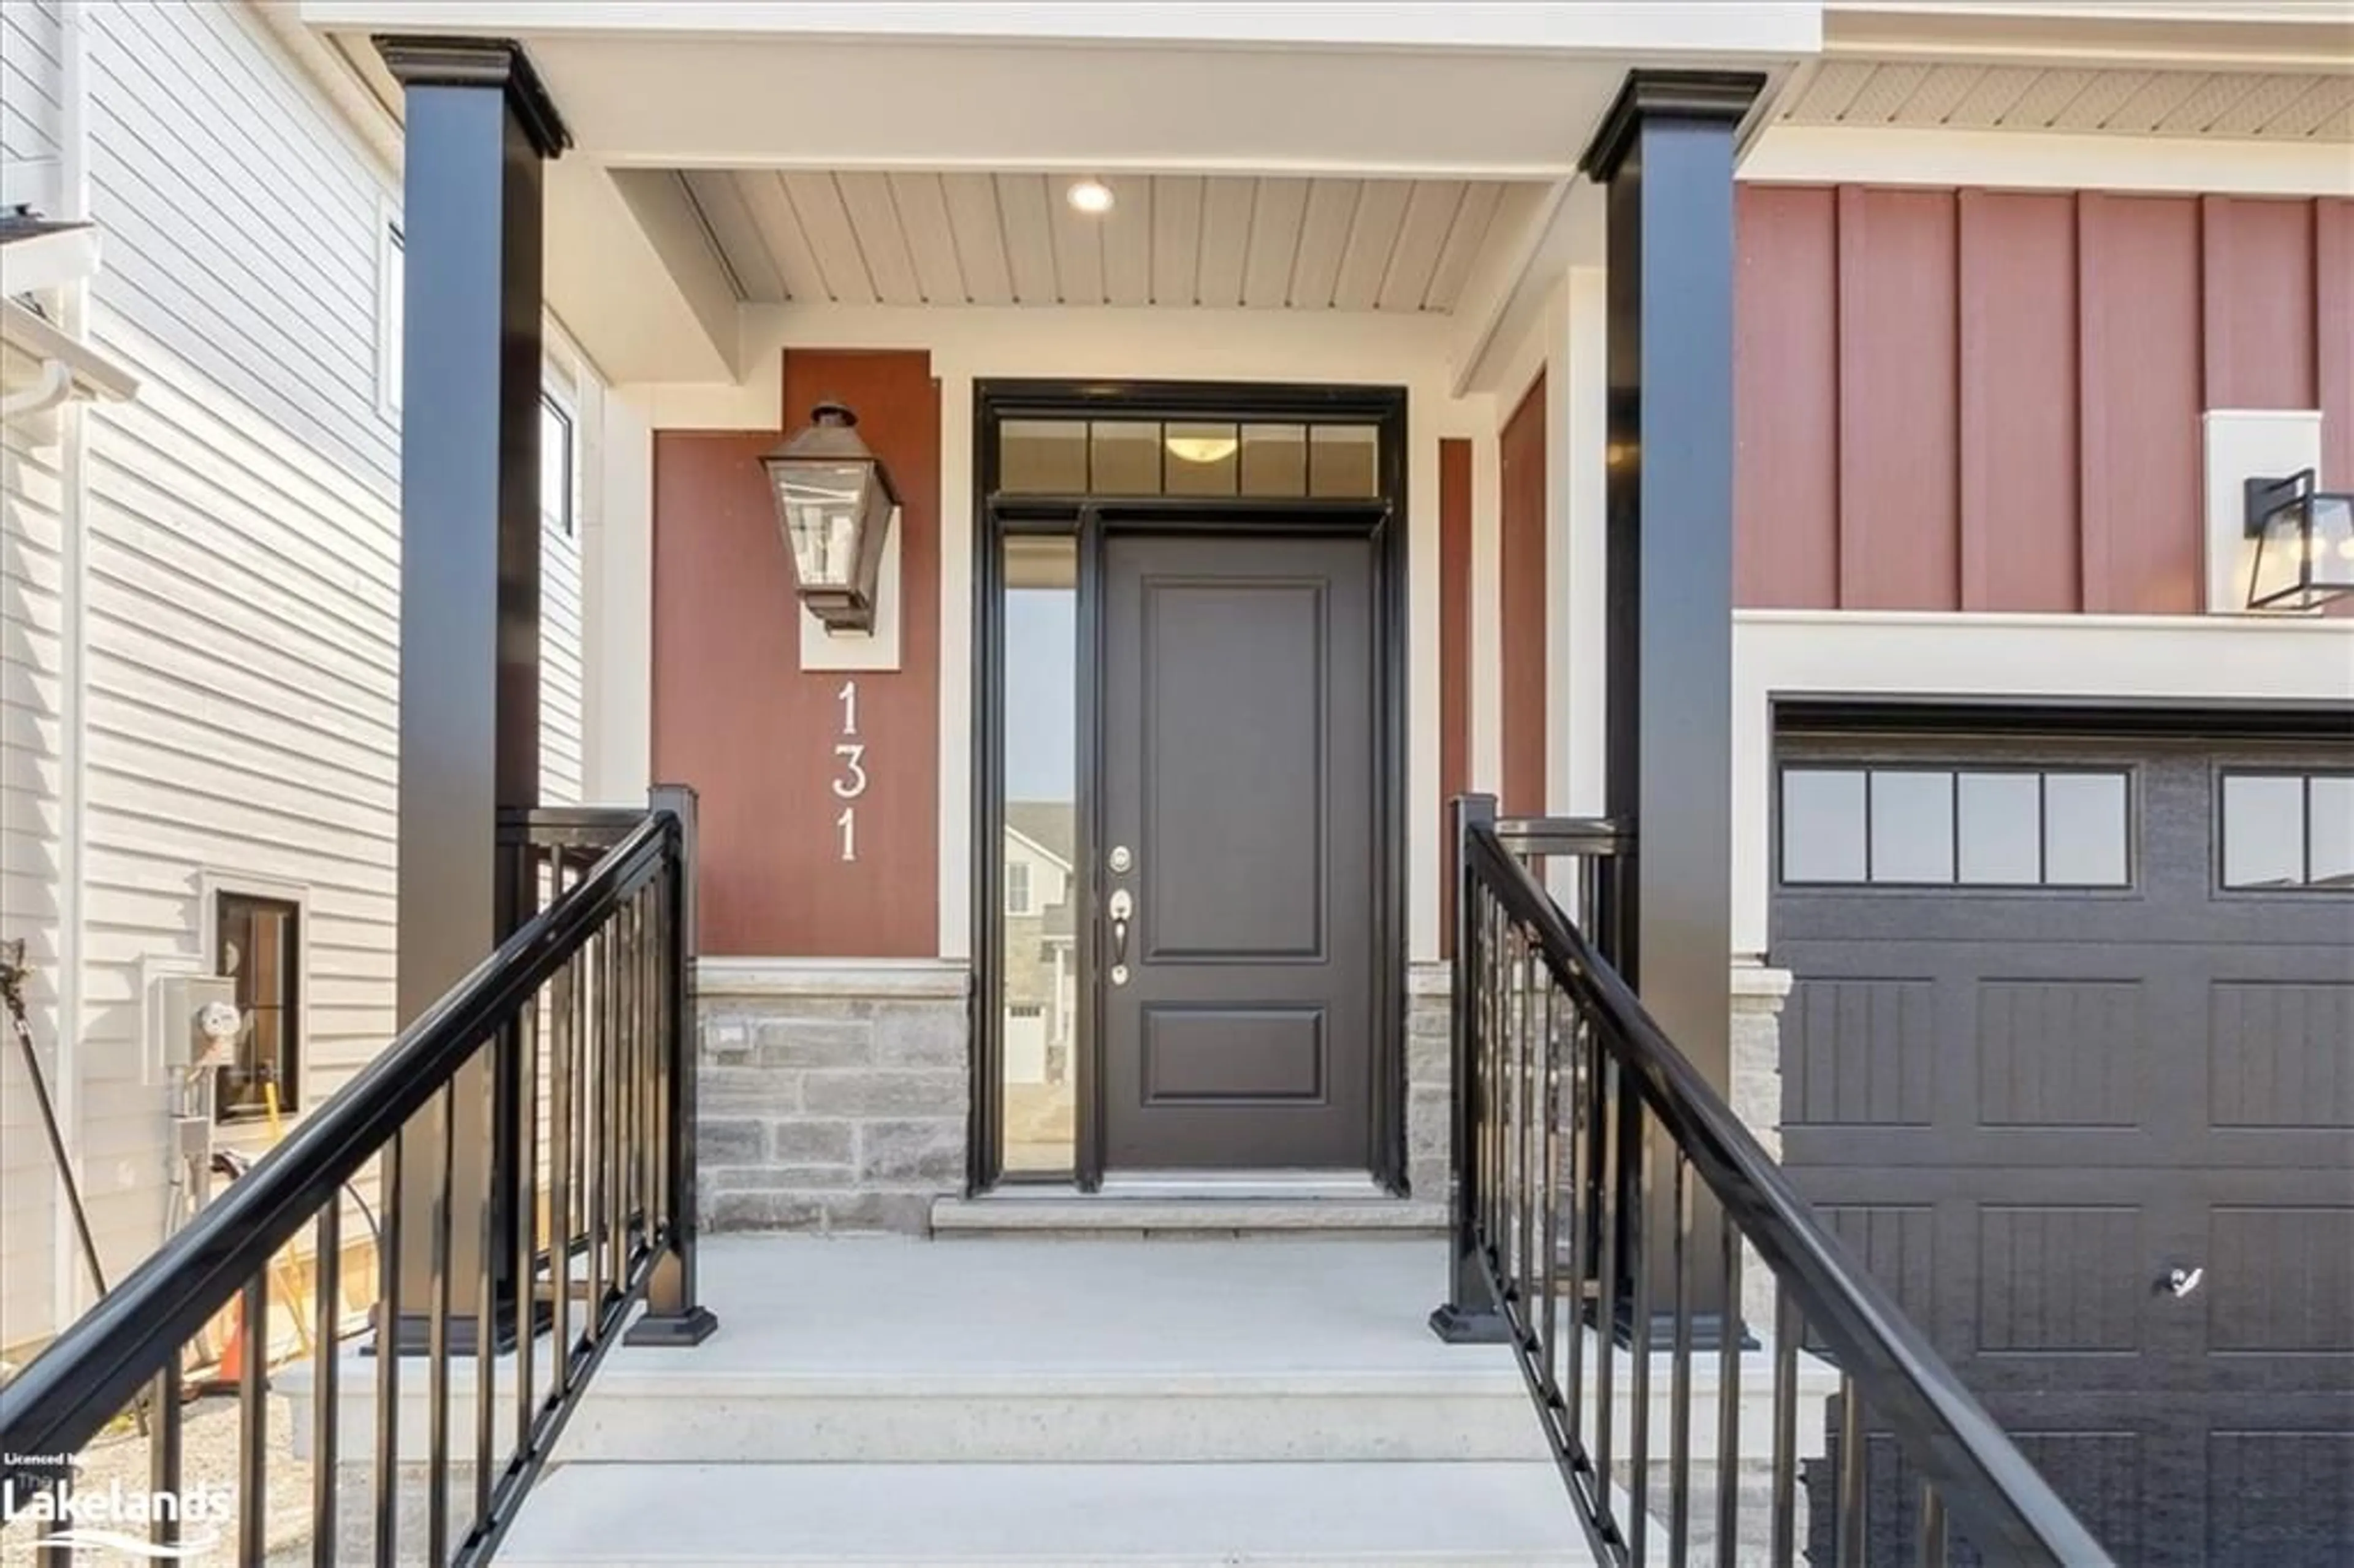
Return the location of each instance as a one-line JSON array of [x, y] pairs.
[[1491, 1090], [253, 1421], [1850, 1475], [386, 1501], [437, 1382], [1549, 1214], [1680, 1381], [1581, 1212], [1932, 1528], [165, 1448], [486, 1301], [526, 1228], [1639, 1273], [559, 1178], [1606, 1302], [1728, 1398], [1531, 1140], [594, 1134], [327, 1291], [613, 1103], [1788, 1333]]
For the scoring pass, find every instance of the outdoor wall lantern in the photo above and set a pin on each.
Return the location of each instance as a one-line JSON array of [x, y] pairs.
[[2304, 544], [834, 501]]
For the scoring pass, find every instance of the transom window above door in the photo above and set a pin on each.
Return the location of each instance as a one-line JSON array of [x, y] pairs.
[[1956, 827], [1134, 456]]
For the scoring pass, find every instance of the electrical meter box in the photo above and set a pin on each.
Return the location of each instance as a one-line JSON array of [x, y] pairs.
[[196, 1022]]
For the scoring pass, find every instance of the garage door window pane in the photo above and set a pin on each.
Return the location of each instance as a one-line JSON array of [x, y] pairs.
[[2330, 830], [1912, 827], [2263, 831], [2084, 830], [2001, 829], [1822, 825]]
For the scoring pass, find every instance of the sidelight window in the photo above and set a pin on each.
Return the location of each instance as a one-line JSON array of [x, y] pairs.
[[1956, 827]]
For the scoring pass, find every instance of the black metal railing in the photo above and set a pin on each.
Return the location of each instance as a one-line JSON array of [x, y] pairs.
[[562, 1070], [1608, 1201]]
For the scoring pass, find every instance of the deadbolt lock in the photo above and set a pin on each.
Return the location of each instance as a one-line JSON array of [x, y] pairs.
[[1119, 859]]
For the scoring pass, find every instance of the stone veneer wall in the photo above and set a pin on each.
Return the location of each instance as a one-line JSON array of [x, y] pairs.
[[832, 1094], [1756, 1099], [1429, 1075]]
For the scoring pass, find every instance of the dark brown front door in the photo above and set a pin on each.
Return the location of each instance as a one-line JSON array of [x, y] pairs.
[[1240, 761]]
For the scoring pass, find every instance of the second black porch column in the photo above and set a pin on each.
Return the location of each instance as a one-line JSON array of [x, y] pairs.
[[1665, 155], [479, 127]]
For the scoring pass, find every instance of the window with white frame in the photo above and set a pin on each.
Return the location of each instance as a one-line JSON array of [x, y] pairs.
[[257, 947], [1017, 887], [392, 281], [555, 458]]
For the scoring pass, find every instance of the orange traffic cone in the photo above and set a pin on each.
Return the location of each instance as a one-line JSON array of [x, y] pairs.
[[229, 1371]]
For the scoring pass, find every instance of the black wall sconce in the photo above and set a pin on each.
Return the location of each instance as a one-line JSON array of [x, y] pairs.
[[2304, 538], [834, 501]]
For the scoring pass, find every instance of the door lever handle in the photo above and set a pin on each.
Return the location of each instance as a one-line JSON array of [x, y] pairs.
[[1120, 907], [2182, 1282]]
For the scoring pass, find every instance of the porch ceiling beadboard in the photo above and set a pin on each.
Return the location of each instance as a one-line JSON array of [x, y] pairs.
[[910, 238], [1952, 95]]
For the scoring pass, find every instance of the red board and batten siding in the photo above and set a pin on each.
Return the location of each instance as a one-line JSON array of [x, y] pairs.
[[734, 715], [1990, 400]]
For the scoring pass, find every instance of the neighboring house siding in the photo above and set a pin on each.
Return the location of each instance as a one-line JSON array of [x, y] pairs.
[[1986, 400], [243, 561], [32, 884], [240, 547], [30, 53]]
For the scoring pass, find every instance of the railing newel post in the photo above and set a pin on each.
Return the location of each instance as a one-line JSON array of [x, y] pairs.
[[674, 1312], [1469, 1314]]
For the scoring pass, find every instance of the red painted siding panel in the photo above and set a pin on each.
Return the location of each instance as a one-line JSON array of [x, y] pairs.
[[734, 715], [2140, 338], [2018, 482], [1521, 450], [2333, 316], [1453, 662], [1899, 535], [1786, 398], [2259, 303]]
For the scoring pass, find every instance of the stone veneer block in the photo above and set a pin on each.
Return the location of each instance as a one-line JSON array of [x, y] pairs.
[[834, 1093]]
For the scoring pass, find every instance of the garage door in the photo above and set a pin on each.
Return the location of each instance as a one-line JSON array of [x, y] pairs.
[[2070, 1063]]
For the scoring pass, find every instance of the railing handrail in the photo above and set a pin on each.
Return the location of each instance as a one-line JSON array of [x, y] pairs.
[[2002, 1500], [99, 1365]]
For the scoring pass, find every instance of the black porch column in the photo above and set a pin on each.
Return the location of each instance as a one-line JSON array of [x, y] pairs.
[[1665, 154], [479, 127]]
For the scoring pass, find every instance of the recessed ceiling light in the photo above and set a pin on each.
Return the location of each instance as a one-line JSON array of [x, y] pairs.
[[1091, 196]]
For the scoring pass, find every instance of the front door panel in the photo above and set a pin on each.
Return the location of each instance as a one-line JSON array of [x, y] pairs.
[[1238, 758]]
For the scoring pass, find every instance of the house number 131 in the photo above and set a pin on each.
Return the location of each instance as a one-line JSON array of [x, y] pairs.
[[850, 753]]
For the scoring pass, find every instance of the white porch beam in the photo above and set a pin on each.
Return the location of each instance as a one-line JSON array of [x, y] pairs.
[[633, 279]]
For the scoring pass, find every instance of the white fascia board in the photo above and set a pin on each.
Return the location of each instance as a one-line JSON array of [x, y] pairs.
[[2018, 160], [1655, 27], [2084, 659], [91, 373]]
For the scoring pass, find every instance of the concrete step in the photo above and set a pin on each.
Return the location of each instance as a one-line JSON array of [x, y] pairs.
[[1041, 1351], [1169, 1516]]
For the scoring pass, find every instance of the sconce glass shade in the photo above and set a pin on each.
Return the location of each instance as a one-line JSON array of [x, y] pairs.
[[2304, 541], [834, 500]]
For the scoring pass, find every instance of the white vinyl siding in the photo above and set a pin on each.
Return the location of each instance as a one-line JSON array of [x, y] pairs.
[[30, 74], [32, 884], [239, 539]]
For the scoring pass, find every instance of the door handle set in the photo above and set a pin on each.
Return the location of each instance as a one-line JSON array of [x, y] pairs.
[[1120, 907], [2179, 1282]]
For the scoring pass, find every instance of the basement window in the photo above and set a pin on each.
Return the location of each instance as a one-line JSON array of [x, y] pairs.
[[257, 944]]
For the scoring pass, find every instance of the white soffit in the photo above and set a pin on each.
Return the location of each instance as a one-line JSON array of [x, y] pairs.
[[2308, 105], [1218, 241]]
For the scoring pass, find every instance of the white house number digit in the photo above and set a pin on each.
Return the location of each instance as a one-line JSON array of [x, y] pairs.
[[852, 783]]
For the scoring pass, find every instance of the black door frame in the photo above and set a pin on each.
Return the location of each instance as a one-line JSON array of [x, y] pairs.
[[1383, 519]]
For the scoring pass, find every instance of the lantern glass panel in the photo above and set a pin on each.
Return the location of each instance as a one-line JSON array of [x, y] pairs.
[[2305, 554], [824, 504]]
